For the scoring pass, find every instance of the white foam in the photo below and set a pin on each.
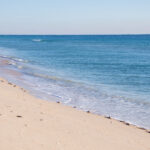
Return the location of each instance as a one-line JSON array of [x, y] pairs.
[[36, 40]]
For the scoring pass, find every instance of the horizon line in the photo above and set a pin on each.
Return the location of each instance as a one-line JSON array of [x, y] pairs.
[[74, 34]]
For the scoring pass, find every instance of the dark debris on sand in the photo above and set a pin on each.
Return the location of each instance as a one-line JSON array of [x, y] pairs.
[[19, 116], [108, 117]]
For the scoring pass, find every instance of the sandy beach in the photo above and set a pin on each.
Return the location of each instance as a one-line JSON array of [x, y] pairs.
[[28, 123]]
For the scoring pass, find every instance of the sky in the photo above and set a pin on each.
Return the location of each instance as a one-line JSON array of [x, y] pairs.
[[74, 16]]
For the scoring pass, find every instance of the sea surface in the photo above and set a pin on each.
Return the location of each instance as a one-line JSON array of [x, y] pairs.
[[106, 74]]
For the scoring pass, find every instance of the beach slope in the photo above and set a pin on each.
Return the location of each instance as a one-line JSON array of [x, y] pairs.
[[28, 123]]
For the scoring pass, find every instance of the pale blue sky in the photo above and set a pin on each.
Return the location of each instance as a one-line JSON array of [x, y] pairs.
[[74, 16]]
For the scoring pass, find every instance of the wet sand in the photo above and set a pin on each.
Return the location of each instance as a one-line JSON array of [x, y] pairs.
[[28, 123]]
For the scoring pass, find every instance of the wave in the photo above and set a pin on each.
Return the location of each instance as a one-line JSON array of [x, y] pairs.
[[101, 92], [55, 78], [47, 40], [20, 60], [36, 40], [11, 58]]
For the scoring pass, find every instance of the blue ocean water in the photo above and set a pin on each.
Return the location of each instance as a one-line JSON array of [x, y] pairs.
[[106, 74]]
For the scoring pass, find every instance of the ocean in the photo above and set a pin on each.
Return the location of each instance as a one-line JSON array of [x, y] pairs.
[[105, 74]]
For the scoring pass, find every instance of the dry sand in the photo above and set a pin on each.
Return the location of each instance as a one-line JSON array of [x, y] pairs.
[[28, 123]]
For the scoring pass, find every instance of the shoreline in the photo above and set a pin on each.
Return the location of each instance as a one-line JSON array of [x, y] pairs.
[[31, 123], [8, 70], [88, 111], [4, 64]]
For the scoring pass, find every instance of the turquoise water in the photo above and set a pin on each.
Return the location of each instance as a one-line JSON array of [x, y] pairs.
[[106, 74]]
